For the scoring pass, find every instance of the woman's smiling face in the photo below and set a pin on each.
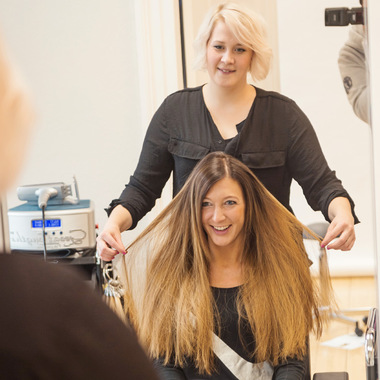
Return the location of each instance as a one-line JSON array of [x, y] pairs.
[[223, 214]]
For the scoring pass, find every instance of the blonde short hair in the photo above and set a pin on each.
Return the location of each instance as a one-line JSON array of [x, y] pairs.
[[249, 29]]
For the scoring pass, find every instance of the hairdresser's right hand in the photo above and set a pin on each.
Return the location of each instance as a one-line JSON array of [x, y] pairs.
[[109, 242]]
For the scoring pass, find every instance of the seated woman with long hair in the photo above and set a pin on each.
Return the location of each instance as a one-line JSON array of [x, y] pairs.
[[218, 285]]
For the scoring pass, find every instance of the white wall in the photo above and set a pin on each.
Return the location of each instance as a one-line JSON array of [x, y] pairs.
[[96, 73], [310, 75], [79, 59]]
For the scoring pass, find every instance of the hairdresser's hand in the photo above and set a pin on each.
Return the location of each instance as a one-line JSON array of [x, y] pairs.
[[341, 233], [109, 242]]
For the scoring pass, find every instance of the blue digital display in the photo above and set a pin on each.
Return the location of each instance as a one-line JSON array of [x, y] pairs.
[[52, 223]]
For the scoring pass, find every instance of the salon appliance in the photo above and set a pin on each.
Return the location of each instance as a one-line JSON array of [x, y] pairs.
[[52, 218]]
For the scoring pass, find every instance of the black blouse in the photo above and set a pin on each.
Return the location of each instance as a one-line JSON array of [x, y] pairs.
[[276, 141]]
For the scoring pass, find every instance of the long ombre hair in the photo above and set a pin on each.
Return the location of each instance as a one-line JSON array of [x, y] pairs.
[[166, 271]]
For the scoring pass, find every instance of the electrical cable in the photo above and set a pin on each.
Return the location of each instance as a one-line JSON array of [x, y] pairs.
[[44, 194], [43, 231]]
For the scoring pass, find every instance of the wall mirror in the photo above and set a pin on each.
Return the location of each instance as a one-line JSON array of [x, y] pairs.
[[97, 71], [305, 68]]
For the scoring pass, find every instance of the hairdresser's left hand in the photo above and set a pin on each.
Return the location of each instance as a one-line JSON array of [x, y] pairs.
[[341, 233]]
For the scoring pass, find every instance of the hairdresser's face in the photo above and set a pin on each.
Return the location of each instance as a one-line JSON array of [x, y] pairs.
[[223, 216], [228, 61]]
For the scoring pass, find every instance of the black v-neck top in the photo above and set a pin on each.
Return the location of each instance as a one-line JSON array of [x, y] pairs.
[[225, 300], [237, 339]]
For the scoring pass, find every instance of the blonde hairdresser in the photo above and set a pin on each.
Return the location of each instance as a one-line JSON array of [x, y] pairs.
[[264, 129]]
